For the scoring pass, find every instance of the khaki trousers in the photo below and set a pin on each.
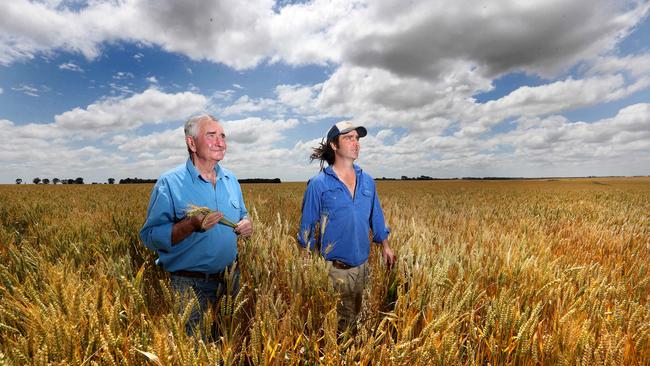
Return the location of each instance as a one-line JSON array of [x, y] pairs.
[[349, 283]]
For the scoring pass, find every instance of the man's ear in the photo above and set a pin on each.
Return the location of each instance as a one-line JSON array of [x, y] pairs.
[[333, 146], [189, 140]]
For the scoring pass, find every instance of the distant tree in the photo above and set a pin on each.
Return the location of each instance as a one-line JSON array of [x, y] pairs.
[[70, 181], [19, 180], [79, 180], [46, 181], [111, 180], [36, 180], [56, 181]]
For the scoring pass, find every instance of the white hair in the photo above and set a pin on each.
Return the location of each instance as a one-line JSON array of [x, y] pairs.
[[192, 124]]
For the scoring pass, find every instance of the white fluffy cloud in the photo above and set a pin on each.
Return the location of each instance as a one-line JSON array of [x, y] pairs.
[[537, 147], [418, 38], [118, 114], [75, 137], [231, 32]]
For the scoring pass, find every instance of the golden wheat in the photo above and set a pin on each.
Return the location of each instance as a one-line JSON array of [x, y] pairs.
[[498, 272]]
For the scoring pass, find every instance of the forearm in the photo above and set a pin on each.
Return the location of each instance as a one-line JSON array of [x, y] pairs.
[[185, 228]]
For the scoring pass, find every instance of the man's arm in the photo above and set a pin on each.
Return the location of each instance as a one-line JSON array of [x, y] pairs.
[[156, 233], [380, 231], [245, 225], [387, 254], [160, 231], [310, 216]]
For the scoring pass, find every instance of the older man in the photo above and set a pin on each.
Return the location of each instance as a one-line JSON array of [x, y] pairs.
[[198, 251], [343, 203]]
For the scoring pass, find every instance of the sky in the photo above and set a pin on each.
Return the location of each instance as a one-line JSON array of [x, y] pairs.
[[456, 88]]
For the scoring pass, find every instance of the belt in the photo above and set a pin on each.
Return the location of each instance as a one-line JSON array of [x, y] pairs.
[[341, 265], [205, 276]]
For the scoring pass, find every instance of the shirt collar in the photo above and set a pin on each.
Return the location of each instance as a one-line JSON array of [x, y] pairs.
[[194, 173], [331, 172]]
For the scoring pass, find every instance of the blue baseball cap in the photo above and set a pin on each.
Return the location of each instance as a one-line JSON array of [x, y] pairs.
[[344, 127]]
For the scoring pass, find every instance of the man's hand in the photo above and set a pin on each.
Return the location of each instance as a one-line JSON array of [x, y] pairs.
[[206, 222], [388, 255], [244, 227], [188, 225]]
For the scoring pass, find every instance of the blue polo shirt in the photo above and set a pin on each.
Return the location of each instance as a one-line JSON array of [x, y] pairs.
[[207, 252], [344, 222]]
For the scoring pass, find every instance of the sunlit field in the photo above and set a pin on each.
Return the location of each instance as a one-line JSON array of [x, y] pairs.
[[551, 272]]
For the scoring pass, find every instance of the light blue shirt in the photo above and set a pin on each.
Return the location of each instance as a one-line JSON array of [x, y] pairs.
[[206, 252], [344, 222]]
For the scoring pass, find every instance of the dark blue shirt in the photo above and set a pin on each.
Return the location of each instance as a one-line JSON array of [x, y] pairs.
[[207, 252], [344, 222]]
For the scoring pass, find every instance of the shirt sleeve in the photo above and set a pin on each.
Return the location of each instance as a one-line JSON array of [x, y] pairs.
[[156, 234], [377, 223], [242, 207], [310, 215]]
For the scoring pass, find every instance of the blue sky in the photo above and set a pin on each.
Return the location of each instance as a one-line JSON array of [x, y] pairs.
[[447, 89]]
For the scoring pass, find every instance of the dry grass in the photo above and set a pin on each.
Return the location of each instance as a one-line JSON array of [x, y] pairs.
[[498, 272]]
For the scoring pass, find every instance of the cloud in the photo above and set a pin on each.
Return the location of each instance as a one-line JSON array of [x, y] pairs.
[[230, 32], [30, 90], [420, 39], [550, 146], [300, 99], [540, 37], [251, 149], [70, 66], [555, 140], [121, 75], [246, 105], [376, 97], [541, 100], [256, 130], [634, 65], [384, 134], [120, 114], [162, 143]]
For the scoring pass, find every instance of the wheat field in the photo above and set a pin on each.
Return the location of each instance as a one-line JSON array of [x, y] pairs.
[[533, 272]]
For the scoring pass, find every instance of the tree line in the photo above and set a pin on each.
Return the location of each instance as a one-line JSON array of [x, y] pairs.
[[80, 180]]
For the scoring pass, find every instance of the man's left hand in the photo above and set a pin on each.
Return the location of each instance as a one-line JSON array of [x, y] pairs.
[[388, 255], [244, 228]]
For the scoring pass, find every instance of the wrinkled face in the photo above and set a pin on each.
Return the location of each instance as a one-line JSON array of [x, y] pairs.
[[210, 144], [348, 147]]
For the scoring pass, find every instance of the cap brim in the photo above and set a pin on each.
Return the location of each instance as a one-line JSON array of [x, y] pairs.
[[360, 130]]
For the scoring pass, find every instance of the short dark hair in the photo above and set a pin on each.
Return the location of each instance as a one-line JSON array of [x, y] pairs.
[[324, 152]]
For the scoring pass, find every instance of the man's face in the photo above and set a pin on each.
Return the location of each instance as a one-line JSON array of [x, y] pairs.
[[348, 146], [210, 144]]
